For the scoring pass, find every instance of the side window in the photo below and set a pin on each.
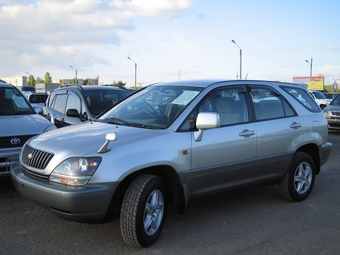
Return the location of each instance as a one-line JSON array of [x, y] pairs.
[[73, 102], [229, 103], [302, 96], [60, 103], [269, 105]]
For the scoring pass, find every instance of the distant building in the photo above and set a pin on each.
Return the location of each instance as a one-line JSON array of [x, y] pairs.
[[20, 81]]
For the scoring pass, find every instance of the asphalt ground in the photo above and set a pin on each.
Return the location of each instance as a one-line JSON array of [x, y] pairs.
[[250, 221]]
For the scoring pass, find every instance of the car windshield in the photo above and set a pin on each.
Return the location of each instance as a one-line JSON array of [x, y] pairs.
[[319, 95], [154, 107], [12, 102], [336, 101], [99, 100]]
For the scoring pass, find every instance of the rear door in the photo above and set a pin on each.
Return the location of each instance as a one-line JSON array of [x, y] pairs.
[[279, 130]]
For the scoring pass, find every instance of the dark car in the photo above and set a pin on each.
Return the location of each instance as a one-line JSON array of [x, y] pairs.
[[332, 113], [38, 100], [75, 104], [330, 95]]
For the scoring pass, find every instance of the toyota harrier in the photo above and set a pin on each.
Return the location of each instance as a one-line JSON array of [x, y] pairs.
[[172, 142]]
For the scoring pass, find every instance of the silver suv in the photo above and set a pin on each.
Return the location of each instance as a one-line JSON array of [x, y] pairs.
[[172, 142], [18, 123]]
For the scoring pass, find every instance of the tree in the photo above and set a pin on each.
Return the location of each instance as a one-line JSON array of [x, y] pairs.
[[39, 80], [30, 81], [118, 83], [47, 78], [74, 81]]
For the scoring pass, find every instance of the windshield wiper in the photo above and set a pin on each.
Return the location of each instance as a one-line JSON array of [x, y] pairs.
[[116, 121], [140, 125]]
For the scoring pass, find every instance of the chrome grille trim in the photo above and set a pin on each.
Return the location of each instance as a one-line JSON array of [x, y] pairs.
[[34, 174], [35, 158]]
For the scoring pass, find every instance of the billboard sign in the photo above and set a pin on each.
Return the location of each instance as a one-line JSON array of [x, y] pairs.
[[313, 82]]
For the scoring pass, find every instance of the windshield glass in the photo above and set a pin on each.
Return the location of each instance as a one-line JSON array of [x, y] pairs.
[[12, 102], [153, 107]]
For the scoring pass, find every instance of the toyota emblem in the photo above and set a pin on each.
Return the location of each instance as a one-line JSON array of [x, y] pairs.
[[15, 141]]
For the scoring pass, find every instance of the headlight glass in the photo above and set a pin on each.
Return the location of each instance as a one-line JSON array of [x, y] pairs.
[[75, 171]]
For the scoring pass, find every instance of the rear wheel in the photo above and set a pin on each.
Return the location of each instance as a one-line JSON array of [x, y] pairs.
[[143, 211], [299, 179]]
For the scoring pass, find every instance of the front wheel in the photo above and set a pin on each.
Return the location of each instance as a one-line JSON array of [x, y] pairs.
[[299, 179], [143, 211]]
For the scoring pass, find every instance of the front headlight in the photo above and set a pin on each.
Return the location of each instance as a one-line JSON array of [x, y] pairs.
[[75, 171], [325, 113], [49, 128]]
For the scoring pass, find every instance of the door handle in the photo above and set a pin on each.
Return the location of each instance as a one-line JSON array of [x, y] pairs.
[[247, 133], [295, 125]]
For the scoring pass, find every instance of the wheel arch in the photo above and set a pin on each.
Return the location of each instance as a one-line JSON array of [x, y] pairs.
[[174, 190], [313, 151]]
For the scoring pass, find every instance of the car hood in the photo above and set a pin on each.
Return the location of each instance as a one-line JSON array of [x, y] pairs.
[[332, 108], [23, 124], [87, 138]]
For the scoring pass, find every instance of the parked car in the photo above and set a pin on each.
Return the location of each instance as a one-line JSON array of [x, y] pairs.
[[38, 100], [19, 122], [332, 113], [320, 98], [204, 137], [330, 95], [76, 104]]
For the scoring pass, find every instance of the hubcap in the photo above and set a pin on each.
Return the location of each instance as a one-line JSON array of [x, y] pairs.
[[303, 178], [153, 212]]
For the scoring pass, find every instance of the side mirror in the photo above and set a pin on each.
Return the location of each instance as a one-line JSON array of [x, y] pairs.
[[72, 113], [206, 120]]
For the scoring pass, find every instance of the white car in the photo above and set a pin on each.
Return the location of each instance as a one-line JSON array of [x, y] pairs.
[[18, 123], [320, 98]]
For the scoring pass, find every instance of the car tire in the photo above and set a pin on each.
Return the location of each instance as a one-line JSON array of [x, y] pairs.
[[143, 211], [299, 179]]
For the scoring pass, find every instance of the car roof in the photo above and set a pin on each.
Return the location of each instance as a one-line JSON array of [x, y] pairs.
[[6, 85], [90, 87], [208, 82]]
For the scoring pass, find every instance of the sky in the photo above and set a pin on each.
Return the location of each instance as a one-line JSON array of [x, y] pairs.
[[170, 39]]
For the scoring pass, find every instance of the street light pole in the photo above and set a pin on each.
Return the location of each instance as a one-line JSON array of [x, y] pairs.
[[29, 75], [240, 58], [311, 68], [135, 72], [76, 73]]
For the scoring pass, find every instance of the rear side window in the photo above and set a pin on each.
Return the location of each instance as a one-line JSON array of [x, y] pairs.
[[268, 104], [303, 98]]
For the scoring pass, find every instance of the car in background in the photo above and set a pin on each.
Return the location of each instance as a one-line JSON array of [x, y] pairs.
[[75, 104], [205, 136], [18, 123], [330, 95], [320, 98], [332, 113], [38, 100]]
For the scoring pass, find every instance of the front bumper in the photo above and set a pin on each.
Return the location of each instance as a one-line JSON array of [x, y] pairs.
[[89, 202], [9, 158], [333, 123]]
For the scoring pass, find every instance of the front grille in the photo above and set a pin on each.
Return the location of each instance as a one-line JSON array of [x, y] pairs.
[[336, 113], [34, 174], [14, 141], [35, 158], [4, 165]]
